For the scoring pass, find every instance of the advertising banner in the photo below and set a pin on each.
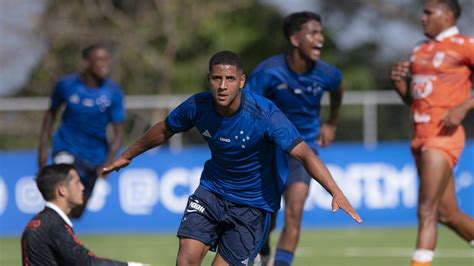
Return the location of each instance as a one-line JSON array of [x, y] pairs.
[[151, 193]]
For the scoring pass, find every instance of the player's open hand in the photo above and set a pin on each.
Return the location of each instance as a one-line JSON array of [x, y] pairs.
[[340, 201], [116, 165], [327, 134]]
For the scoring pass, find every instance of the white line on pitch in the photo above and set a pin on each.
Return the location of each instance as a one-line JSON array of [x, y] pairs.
[[403, 252], [385, 252]]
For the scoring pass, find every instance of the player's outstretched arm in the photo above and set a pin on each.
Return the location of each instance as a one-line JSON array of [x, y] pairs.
[[318, 171], [154, 137], [399, 75]]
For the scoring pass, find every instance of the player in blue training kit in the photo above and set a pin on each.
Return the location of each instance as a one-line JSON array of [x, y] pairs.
[[91, 101], [295, 82], [241, 184]]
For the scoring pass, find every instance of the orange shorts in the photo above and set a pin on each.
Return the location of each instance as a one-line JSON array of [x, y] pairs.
[[450, 146]]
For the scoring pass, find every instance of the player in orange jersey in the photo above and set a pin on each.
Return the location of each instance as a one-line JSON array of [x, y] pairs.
[[436, 83]]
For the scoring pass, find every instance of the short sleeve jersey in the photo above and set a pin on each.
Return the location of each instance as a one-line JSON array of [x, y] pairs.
[[441, 79], [243, 147], [87, 112], [297, 95]]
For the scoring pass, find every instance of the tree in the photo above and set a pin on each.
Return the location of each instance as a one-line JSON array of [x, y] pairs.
[[159, 46]]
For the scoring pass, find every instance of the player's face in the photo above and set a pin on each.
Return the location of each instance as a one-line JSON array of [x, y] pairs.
[[75, 189], [225, 82], [98, 63], [434, 19], [309, 40]]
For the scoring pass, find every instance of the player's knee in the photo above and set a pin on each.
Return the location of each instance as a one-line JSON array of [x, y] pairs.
[[186, 260], [427, 212], [293, 218], [294, 209]]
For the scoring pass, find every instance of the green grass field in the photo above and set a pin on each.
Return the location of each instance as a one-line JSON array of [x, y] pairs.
[[367, 247]]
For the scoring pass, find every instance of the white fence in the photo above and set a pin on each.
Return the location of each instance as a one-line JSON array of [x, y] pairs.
[[369, 100]]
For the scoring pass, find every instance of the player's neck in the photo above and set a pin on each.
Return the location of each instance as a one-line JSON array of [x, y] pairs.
[[63, 205], [91, 81], [298, 63]]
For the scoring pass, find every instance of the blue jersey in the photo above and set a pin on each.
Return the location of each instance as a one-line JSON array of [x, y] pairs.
[[297, 95], [244, 147], [87, 112]]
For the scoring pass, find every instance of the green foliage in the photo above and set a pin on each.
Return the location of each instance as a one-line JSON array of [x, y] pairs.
[[157, 47]]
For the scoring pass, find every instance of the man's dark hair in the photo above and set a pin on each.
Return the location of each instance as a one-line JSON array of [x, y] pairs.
[[452, 5], [292, 23], [86, 52], [50, 176], [226, 58]]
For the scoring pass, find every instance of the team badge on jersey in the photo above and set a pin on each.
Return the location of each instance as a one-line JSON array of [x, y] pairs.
[[438, 59], [242, 138]]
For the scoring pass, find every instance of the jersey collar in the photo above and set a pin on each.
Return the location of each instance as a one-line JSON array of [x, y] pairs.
[[59, 211], [447, 33]]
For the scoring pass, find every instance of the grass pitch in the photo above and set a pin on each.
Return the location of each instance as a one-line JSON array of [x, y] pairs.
[[366, 247]]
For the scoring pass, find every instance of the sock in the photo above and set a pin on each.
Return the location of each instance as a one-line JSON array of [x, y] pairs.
[[422, 257], [283, 258]]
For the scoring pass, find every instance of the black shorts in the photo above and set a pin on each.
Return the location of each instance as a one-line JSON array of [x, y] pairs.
[[238, 231], [297, 172]]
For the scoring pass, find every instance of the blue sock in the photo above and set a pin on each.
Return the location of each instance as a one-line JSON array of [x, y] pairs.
[[283, 258]]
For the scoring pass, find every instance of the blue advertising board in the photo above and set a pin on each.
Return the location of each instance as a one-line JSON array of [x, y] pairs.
[[151, 193]]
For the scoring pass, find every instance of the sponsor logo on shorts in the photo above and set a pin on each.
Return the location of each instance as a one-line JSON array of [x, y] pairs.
[[194, 206]]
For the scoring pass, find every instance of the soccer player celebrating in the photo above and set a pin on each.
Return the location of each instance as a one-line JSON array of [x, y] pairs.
[[239, 186], [436, 84], [49, 239], [91, 102], [295, 82]]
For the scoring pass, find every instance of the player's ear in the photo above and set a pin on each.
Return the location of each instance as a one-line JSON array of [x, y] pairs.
[[242, 81], [295, 42], [61, 190]]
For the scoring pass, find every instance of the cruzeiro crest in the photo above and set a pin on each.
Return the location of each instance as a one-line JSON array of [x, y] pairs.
[[242, 137]]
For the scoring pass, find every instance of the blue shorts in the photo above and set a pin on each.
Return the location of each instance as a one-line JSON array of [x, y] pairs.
[[86, 171], [238, 231], [297, 173]]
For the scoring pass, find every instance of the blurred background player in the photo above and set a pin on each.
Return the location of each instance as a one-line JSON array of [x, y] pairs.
[[49, 239], [295, 82], [91, 101], [436, 83], [239, 188]]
